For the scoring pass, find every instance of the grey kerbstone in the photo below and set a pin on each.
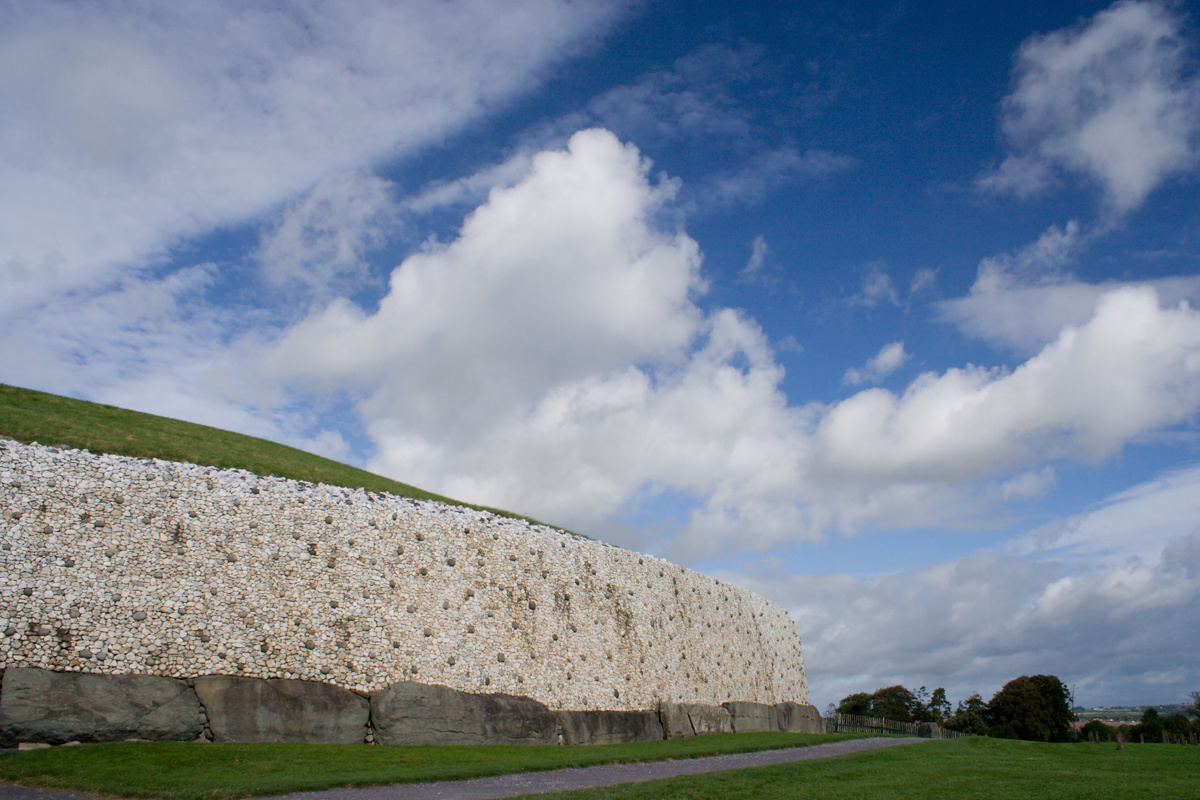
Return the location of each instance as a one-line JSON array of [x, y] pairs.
[[752, 717], [416, 713], [281, 710], [799, 718], [675, 721], [709, 719], [609, 727], [693, 719], [42, 706]]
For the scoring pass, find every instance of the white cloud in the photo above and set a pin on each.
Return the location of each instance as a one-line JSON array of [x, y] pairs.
[[888, 360], [1110, 99], [130, 126]]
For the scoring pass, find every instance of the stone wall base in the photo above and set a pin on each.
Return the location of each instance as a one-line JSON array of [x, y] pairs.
[[46, 707]]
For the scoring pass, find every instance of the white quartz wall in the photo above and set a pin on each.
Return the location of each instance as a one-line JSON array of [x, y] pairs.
[[119, 565]]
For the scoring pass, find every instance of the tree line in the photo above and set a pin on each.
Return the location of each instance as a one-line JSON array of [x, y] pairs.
[[1031, 707]]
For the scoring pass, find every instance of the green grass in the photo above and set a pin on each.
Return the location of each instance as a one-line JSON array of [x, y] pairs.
[[963, 769], [30, 416], [194, 771]]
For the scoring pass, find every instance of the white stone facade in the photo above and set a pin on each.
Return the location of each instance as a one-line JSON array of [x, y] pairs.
[[120, 565]]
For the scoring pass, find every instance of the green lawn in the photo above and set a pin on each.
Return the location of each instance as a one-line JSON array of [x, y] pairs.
[[962, 769], [194, 771], [30, 416]]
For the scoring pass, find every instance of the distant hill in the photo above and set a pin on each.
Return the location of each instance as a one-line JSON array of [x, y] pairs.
[[31, 416], [1127, 713]]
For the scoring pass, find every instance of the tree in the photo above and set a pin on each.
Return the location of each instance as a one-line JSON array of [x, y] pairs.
[[969, 717], [939, 706], [1036, 708], [858, 704], [1194, 708], [1151, 727], [895, 703]]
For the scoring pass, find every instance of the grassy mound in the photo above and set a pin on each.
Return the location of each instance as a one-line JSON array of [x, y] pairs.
[[30, 416]]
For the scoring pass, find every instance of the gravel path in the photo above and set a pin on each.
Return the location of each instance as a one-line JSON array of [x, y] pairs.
[[588, 777], [535, 782]]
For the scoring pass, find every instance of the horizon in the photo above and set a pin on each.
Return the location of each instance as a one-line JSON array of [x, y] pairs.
[[887, 313]]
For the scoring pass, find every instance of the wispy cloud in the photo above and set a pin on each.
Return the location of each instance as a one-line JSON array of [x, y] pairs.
[[973, 623], [770, 170], [877, 288], [129, 127], [319, 242]]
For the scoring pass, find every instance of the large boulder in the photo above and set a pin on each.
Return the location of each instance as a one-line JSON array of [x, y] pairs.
[[752, 717], [609, 727], [799, 718], [693, 719], [280, 710], [418, 713], [38, 705]]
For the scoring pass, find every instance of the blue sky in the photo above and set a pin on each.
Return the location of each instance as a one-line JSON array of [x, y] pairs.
[[886, 311]]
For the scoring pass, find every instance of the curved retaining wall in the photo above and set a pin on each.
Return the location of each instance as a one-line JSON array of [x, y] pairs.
[[117, 565]]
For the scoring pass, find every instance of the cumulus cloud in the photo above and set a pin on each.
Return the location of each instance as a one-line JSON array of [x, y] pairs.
[[550, 280], [888, 360], [1132, 368], [128, 127], [1023, 299], [552, 358], [1110, 99]]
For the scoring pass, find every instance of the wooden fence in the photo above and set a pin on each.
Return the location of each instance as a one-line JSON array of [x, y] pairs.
[[852, 723]]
